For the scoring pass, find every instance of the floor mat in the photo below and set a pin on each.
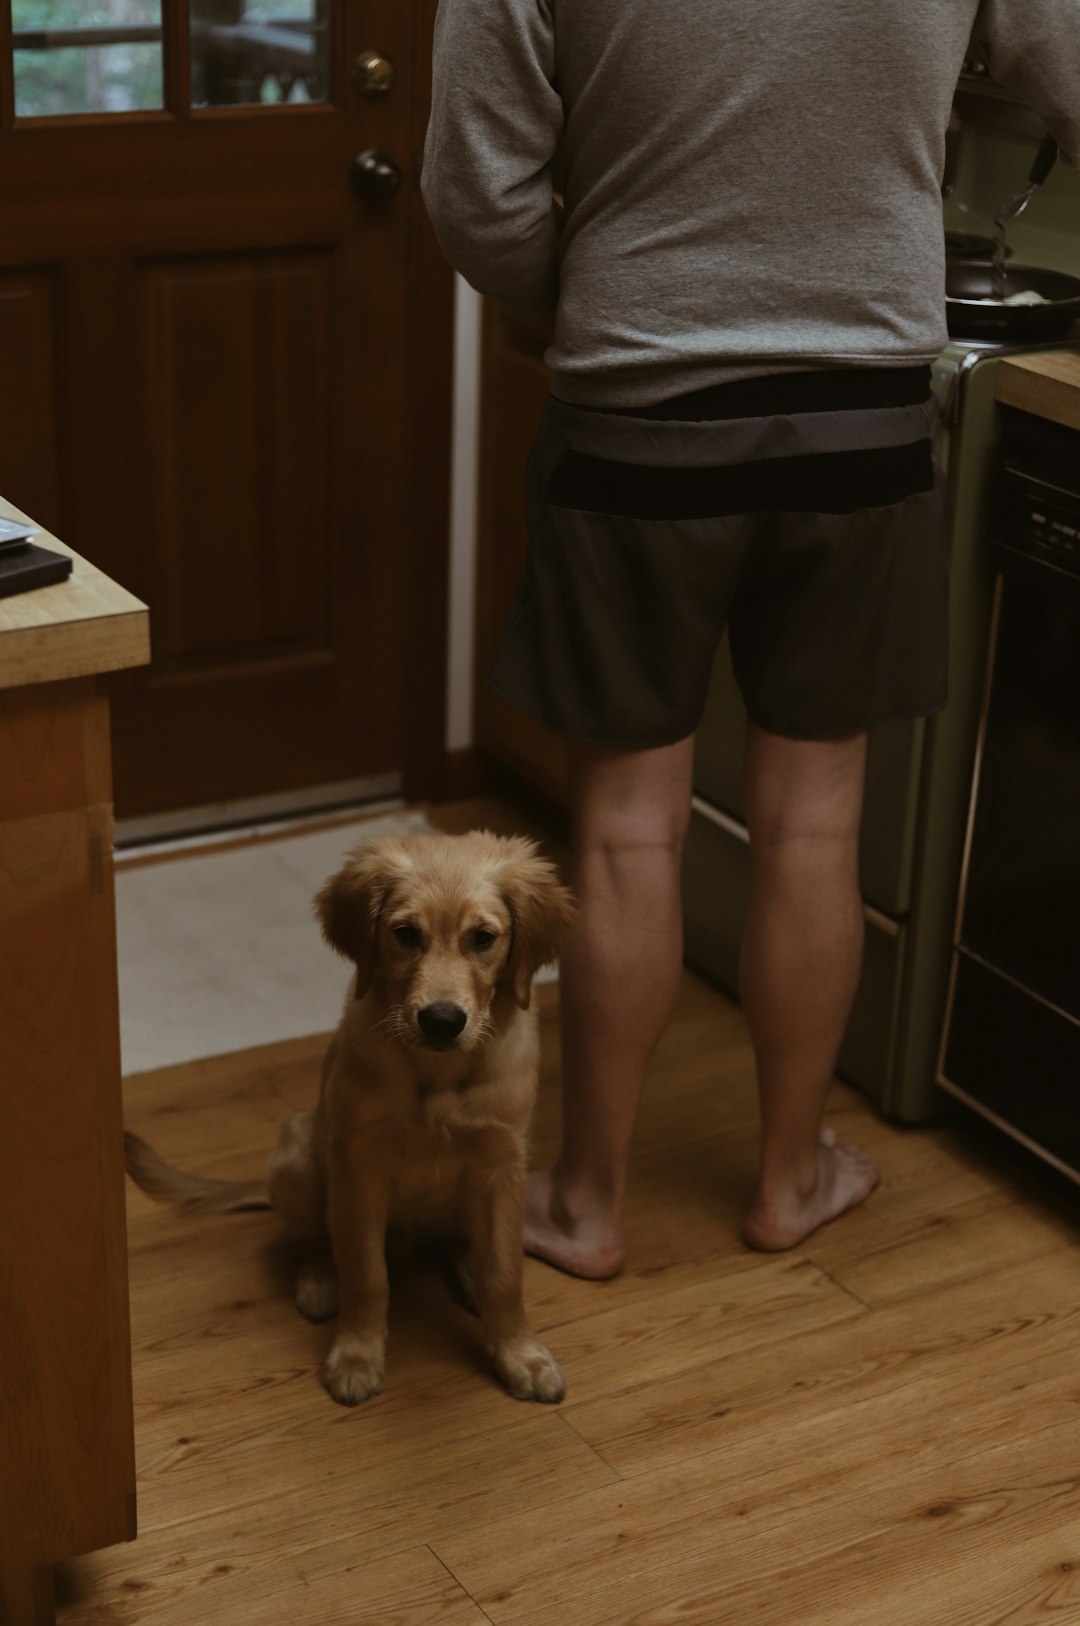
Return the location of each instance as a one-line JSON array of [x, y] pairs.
[[220, 951]]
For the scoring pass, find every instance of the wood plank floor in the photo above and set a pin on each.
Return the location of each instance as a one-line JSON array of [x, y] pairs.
[[880, 1428]]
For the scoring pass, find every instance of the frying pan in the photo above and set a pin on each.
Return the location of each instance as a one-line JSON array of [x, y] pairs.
[[963, 245], [972, 312], [976, 309]]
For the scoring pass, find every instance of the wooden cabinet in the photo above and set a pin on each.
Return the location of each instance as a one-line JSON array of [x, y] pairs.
[[66, 1432]]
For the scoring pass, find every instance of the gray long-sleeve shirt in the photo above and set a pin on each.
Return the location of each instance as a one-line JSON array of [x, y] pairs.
[[749, 187]]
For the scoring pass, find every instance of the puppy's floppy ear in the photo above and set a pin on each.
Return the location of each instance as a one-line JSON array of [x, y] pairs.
[[541, 914], [349, 905]]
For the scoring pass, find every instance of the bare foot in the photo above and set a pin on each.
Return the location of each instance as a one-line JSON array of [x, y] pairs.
[[581, 1245], [845, 1178]]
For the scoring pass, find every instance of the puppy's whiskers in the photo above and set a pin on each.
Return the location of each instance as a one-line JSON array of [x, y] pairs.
[[485, 1030], [386, 1020], [395, 1025]]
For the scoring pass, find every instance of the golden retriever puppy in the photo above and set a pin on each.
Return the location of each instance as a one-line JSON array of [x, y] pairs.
[[427, 1091]]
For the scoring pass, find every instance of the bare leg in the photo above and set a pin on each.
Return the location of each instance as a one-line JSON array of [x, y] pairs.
[[619, 983], [801, 957]]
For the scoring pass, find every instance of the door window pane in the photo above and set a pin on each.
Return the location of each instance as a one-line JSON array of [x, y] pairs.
[[86, 56], [246, 52]]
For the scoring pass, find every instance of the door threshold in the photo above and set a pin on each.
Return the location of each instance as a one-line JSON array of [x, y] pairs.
[[256, 815]]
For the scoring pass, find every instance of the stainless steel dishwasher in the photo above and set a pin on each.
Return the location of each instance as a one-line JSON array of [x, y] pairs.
[[1012, 1039]]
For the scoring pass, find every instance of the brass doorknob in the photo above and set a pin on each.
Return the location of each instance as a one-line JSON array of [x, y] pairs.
[[373, 74], [374, 175]]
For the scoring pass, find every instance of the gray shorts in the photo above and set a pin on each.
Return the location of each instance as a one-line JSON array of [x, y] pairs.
[[803, 513]]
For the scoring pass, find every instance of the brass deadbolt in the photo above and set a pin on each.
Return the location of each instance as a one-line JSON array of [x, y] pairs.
[[373, 74]]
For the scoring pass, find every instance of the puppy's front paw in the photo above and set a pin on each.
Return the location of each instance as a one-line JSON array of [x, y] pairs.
[[353, 1371], [530, 1371]]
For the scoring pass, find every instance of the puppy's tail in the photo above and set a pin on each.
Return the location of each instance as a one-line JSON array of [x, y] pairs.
[[189, 1191]]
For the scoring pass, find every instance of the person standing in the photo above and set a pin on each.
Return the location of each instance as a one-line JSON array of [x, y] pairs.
[[733, 215]]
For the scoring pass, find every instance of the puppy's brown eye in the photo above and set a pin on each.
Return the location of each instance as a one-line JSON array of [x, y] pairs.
[[482, 939], [407, 936]]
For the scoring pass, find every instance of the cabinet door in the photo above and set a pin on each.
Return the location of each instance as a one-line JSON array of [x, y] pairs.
[[66, 1432]]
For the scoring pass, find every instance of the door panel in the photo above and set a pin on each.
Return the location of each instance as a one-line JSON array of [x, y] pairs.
[[238, 397], [216, 329]]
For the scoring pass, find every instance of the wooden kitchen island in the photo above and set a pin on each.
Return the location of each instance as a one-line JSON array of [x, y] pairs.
[[67, 1461]]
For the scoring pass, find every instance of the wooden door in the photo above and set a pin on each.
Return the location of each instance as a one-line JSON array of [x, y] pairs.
[[211, 342]]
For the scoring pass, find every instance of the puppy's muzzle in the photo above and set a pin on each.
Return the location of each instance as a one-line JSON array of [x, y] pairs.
[[441, 1024]]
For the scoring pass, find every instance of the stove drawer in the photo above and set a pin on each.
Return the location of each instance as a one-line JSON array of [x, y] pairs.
[[716, 888], [1015, 1060]]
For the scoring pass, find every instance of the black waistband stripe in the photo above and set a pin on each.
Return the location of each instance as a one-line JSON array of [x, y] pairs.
[[821, 483], [845, 389]]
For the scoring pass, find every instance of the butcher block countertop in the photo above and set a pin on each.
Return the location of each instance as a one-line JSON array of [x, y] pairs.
[[69, 629], [1046, 384]]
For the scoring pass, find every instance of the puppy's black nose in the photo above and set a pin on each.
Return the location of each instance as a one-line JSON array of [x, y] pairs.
[[441, 1024]]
